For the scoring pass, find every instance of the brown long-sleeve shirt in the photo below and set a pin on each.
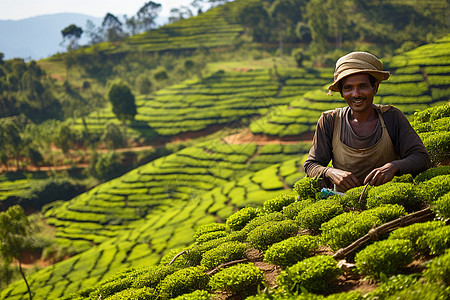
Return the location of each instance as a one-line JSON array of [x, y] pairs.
[[413, 155]]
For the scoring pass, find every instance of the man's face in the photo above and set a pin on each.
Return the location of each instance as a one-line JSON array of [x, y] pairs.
[[358, 92]]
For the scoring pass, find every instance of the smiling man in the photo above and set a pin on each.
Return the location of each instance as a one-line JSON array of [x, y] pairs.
[[366, 142]]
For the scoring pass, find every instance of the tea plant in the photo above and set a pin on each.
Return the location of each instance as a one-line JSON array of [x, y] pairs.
[[311, 217], [225, 252], [183, 281], [240, 279], [272, 232], [278, 203], [239, 219], [291, 250], [386, 257], [315, 274]]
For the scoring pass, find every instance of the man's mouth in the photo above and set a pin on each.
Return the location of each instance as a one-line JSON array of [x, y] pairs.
[[358, 100]]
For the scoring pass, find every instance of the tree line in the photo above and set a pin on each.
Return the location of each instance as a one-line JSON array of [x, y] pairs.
[[113, 28]]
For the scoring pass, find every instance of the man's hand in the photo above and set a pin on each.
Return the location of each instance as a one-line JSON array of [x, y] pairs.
[[343, 179], [382, 174]]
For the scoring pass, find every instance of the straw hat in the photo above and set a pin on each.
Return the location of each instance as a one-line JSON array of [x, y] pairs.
[[358, 62]]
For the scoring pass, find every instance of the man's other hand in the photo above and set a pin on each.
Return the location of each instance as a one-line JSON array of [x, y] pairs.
[[343, 179], [382, 174]]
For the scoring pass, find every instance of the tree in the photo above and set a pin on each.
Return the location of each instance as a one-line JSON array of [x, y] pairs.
[[112, 136], [64, 138], [180, 13], [285, 14], [93, 32], [73, 34], [147, 15], [123, 102], [15, 230], [112, 28], [254, 17]]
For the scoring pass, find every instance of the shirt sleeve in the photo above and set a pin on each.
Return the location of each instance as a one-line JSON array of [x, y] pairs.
[[320, 153], [414, 157]]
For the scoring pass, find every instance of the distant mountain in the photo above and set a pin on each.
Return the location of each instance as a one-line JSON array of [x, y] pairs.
[[38, 37]]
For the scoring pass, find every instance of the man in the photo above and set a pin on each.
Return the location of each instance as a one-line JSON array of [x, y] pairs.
[[366, 142]]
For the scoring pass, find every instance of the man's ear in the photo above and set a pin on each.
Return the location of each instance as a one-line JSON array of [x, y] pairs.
[[375, 87]]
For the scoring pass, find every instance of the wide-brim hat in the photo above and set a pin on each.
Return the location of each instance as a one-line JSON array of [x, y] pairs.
[[358, 62]]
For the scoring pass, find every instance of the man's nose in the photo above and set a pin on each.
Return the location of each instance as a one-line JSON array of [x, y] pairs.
[[356, 92]]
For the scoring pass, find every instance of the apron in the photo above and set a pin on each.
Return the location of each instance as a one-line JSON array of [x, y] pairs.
[[360, 161]]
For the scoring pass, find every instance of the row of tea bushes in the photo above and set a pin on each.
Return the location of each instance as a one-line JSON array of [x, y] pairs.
[[275, 232], [420, 78], [165, 224], [225, 98]]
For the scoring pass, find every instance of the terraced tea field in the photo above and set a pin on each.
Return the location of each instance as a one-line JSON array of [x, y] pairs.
[[420, 78], [216, 28], [228, 99], [153, 210]]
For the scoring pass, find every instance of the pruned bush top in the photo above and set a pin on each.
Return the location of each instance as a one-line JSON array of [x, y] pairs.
[[312, 216], [439, 270], [272, 232], [442, 207], [240, 279], [183, 281], [223, 253], [414, 232], [291, 211], [306, 188], [435, 241], [394, 193], [431, 190], [263, 219], [207, 228], [278, 203], [386, 257], [315, 274], [291, 250], [239, 219]]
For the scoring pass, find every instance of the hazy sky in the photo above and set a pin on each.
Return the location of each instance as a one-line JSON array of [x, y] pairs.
[[21, 9]]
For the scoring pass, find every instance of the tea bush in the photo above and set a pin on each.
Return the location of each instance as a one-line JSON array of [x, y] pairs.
[[207, 228], [439, 270], [312, 216], [346, 228], [195, 252], [272, 232], [239, 219], [223, 253], [351, 198], [183, 281], [394, 193], [385, 213], [442, 207], [437, 144], [421, 291], [278, 203], [143, 293], [353, 295], [291, 250], [196, 295], [291, 211], [263, 219], [386, 257], [211, 236], [306, 188], [431, 190], [414, 232], [315, 274], [392, 285], [437, 241], [432, 172], [240, 279]]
